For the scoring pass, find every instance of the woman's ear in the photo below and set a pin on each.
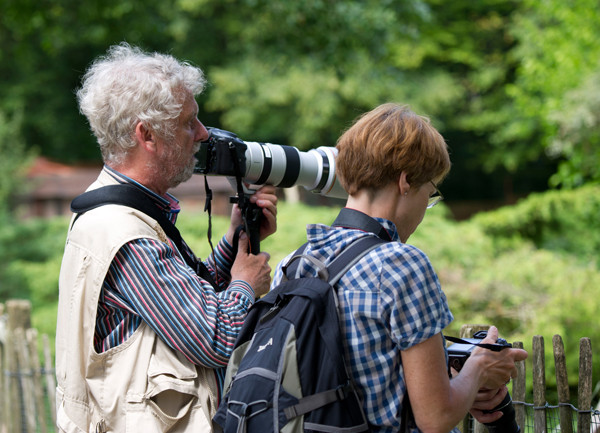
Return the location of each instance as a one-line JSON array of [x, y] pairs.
[[403, 184]]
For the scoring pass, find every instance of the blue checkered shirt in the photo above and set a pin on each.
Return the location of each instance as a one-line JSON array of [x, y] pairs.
[[389, 301]]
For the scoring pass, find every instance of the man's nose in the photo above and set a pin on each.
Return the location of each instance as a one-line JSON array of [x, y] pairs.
[[202, 134]]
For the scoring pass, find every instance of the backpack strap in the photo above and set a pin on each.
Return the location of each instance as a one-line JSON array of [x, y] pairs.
[[315, 401], [352, 254], [131, 196], [336, 269], [340, 265]]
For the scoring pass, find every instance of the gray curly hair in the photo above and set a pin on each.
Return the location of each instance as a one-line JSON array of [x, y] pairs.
[[127, 86]]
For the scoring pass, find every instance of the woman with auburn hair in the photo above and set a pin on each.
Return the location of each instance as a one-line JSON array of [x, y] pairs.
[[392, 309]]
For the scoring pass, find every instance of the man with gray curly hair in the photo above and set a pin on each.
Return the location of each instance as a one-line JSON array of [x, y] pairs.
[[145, 328]]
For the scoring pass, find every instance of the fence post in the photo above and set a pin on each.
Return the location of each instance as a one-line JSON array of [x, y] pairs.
[[38, 387], [18, 317], [539, 385], [584, 400], [2, 368], [25, 377], [50, 380], [562, 385], [518, 389]]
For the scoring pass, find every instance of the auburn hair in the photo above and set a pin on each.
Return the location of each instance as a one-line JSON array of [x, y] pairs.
[[386, 141]]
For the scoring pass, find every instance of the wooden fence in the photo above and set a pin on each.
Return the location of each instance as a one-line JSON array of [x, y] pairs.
[[27, 382], [540, 416], [27, 385]]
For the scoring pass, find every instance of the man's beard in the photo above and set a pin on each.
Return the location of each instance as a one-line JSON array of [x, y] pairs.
[[183, 174], [175, 169]]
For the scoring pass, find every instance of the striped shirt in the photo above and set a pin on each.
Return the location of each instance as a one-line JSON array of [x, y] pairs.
[[389, 301], [149, 281]]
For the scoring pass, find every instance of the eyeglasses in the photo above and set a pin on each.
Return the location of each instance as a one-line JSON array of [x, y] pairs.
[[435, 198]]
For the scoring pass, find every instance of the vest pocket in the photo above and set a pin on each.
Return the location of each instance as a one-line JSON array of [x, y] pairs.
[[166, 410], [171, 401]]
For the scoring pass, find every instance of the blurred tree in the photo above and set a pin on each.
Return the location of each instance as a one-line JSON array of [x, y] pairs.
[[46, 45], [497, 77], [550, 106], [299, 72], [14, 162]]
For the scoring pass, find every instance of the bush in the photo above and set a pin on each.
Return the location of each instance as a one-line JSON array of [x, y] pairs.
[[30, 256], [508, 268], [562, 221], [15, 159]]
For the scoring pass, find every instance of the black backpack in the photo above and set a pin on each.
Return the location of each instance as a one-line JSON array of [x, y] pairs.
[[287, 368]]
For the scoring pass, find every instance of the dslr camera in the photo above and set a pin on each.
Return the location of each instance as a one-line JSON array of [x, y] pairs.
[[251, 163], [459, 352], [224, 154]]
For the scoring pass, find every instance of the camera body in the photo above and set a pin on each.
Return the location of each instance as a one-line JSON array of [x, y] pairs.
[[247, 164], [220, 153], [225, 154], [458, 353]]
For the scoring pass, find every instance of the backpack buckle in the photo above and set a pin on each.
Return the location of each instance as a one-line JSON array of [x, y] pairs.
[[343, 391]]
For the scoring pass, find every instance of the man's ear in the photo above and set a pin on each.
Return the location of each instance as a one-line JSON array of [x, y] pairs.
[[145, 137], [403, 184]]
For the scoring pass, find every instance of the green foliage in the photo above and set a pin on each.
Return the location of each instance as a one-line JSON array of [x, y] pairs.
[[15, 159], [560, 221], [512, 83], [578, 137], [304, 90], [551, 104], [493, 272], [30, 255]]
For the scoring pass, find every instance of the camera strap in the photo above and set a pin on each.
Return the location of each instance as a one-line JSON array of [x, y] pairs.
[[353, 219], [131, 196], [489, 346], [251, 213]]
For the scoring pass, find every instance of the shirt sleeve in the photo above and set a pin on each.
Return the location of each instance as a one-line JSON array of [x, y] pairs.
[[412, 301], [219, 263], [184, 310]]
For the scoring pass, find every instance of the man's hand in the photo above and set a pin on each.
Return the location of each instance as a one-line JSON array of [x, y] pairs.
[[253, 269], [266, 199]]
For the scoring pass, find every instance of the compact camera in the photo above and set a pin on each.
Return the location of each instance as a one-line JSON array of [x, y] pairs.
[[459, 352]]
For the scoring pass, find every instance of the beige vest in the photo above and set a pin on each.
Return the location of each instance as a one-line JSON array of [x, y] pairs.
[[142, 385]]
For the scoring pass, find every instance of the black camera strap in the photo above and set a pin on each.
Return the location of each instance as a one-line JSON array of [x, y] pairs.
[[489, 346], [353, 219], [131, 196]]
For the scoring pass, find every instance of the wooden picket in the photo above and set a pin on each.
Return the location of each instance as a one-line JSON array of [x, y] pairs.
[[538, 421], [27, 382]]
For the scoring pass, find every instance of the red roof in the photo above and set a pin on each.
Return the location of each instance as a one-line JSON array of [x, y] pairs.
[[53, 180]]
